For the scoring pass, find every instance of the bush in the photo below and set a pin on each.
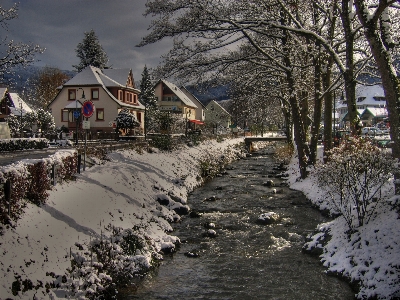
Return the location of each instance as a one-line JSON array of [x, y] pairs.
[[30, 182], [353, 178], [110, 263], [163, 142], [284, 153], [22, 144], [39, 183]]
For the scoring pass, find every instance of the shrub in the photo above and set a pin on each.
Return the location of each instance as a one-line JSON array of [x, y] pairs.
[[284, 153], [353, 177], [21, 144], [39, 183], [30, 182], [110, 263], [162, 142]]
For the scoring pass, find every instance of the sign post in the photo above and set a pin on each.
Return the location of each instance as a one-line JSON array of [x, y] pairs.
[[87, 112]]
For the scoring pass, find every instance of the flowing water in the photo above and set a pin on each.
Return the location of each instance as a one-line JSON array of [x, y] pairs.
[[246, 259]]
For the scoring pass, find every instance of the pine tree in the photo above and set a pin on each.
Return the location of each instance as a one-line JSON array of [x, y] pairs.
[[91, 53], [146, 95], [149, 100]]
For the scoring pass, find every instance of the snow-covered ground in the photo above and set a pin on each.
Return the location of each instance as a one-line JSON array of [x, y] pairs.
[[371, 255], [123, 192]]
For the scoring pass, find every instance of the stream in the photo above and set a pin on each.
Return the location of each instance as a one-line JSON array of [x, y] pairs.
[[246, 259]]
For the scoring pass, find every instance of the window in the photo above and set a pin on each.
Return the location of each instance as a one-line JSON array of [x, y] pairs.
[[378, 98], [64, 115], [130, 97], [95, 94], [135, 98], [360, 99], [120, 95], [99, 114], [71, 94], [139, 117]]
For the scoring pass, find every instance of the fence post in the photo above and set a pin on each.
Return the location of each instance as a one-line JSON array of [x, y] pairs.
[[79, 163], [54, 174], [7, 194]]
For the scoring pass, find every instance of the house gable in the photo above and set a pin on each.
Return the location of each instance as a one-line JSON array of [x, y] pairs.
[[170, 97], [110, 90]]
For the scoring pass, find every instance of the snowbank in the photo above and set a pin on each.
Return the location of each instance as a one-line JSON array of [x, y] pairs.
[[370, 258], [122, 193]]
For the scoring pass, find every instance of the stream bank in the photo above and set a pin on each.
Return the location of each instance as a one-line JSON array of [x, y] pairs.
[[231, 249]]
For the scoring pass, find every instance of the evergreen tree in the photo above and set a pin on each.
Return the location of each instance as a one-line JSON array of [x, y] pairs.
[[91, 53], [148, 99], [126, 121], [146, 95]]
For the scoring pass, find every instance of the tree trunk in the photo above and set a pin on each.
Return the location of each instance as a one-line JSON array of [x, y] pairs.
[[317, 111], [390, 82], [350, 82], [328, 103]]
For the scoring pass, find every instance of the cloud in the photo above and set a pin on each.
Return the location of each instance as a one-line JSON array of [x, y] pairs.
[[60, 25]]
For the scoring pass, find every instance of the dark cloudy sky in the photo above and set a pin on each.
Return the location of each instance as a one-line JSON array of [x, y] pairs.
[[59, 25]]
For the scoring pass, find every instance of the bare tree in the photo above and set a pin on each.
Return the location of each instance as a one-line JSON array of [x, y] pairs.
[[45, 84], [375, 17], [14, 53]]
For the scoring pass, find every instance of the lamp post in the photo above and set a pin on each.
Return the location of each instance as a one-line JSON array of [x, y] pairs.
[[145, 122], [20, 110], [188, 112], [77, 114]]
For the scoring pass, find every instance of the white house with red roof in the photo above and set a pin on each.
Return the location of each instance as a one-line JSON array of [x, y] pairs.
[[110, 91]]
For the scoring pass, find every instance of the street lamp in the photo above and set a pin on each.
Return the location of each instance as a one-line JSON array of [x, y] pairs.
[[188, 112], [20, 110], [77, 114]]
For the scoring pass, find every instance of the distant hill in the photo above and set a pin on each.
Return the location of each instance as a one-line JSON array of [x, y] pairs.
[[16, 81], [206, 94]]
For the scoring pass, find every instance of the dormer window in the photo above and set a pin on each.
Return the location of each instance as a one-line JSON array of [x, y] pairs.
[[360, 99], [379, 98]]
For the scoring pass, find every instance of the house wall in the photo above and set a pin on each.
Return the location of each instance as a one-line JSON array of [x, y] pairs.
[[215, 114], [104, 102], [175, 105]]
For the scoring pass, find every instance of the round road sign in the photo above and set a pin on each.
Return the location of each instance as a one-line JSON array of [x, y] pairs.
[[88, 108]]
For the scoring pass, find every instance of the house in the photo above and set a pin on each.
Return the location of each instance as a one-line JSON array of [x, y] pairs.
[[172, 99], [371, 105], [12, 104], [110, 91], [200, 111], [217, 115]]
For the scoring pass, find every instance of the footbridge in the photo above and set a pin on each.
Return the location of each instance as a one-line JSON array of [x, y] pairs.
[[268, 138]]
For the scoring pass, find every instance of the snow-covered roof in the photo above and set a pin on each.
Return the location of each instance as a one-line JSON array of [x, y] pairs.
[[190, 95], [92, 76], [18, 106], [368, 95], [75, 104], [95, 76], [376, 111], [213, 102], [181, 95], [359, 113], [2, 92]]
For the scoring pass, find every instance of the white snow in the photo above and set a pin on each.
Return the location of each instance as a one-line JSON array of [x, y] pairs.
[[123, 192], [371, 255]]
